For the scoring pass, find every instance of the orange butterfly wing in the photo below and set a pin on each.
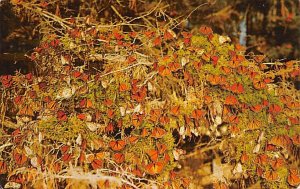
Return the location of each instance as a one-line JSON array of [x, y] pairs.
[[231, 100], [175, 110], [119, 158], [19, 157], [137, 120], [164, 71], [271, 176], [158, 132], [262, 159], [96, 164], [153, 154], [277, 163], [66, 157], [294, 177], [155, 114], [133, 139], [161, 148], [3, 167], [117, 145], [205, 30], [257, 108], [154, 168]]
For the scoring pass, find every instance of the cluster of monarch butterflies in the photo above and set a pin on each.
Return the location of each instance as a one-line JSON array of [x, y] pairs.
[[204, 83]]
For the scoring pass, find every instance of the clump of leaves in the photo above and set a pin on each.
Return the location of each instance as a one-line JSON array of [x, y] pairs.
[[110, 100]]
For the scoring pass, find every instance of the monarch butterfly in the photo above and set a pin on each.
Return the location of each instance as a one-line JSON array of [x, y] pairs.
[[262, 159], [271, 175], [277, 163], [19, 157], [6, 80], [166, 158], [161, 148], [205, 30], [231, 119], [244, 157], [81, 116], [109, 128], [258, 84], [117, 35], [139, 94], [123, 87], [257, 108], [119, 158], [18, 100], [85, 103], [186, 34], [76, 74], [197, 65], [226, 70], [158, 132], [169, 35], [130, 59], [110, 113], [294, 177], [3, 167], [206, 57], [82, 157], [133, 34], [61, 115], [153, 154], [175, 110], [242, 70], [144, 132], [52, 105], [214, 60], [133, 139], [117, 145], [84, 77], [26, 111], [64, 149], [164, 71], [102, 183], [155, 114], [253, 75], [137, 119], [270, 147], [17, 178], [108, 102], [280, 140], [231, 100], [149, 33], [185, 182], [254, 124], [164, 120], [197, 114], [237, 88], [66, 157], [157, 41], [234, 129], [296, 140], [216, 79], [274, 109], [293, 105], [154, 168], [174, 66], [207, 99], [137, 172], [259, 58], [96, 164]]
